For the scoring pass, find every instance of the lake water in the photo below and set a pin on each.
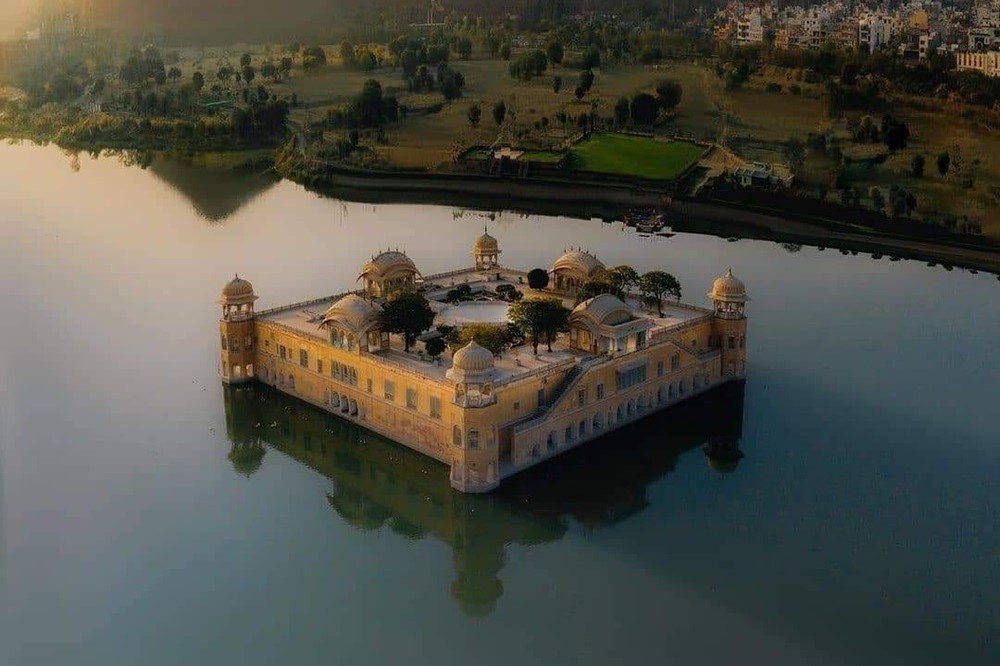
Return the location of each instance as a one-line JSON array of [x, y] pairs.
[[150, 517]]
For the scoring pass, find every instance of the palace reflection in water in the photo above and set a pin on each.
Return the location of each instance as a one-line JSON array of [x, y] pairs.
[[380, 484]]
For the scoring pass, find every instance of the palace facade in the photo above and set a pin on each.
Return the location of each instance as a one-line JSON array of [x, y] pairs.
[[486, 417]]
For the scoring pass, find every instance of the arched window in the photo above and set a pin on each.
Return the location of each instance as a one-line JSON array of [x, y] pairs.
[[456, 436]]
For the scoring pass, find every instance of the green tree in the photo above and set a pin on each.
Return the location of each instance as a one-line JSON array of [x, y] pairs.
[[795, 151], [597, 286], [245, 60], [538, 278], [495, 337], [621, 112], [475, 113], [644, 109], [668, 94], [499, 112], [878, 199], [198, 80], [556, 84], [174, 74], [434, 347], [623, 277], [249, 74], [505, 51], [586, 80], [554, 51], [406, 313], [463, 47], [654, 285], [540, 318], [943, 163], [591, 58], [917, 165]]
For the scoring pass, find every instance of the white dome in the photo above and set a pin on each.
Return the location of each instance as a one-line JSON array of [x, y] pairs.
[[352, 313], [728, 288], [604, 309], [578, 261], [387, 264], [237, 291], [486, 244], [473, 358]]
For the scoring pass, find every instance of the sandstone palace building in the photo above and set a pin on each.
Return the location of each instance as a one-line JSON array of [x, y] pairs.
[[486, 417]]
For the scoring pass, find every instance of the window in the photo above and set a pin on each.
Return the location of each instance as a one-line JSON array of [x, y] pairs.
[[582, 428], [600, 391], [517, 405], [291, 382], [335, 369], [675, 362], [731, 344], [267, 344], [541, 397], [225, 345], [628, 378], [743, 342], [581, 397], [390, 390], [282, 352], [319, 366], [435, 407], [369, 385], [670, 392], [473, 439], [568, 435], [456, 436], [659, 368], [411, 398], [681, 388], [303, 358], [234, 344]]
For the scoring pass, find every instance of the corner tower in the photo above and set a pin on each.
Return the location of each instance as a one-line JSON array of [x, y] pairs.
[[236, 328], [729, 296], [486, 252]]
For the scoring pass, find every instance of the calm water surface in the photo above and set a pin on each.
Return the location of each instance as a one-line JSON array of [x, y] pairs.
[[150, 517]]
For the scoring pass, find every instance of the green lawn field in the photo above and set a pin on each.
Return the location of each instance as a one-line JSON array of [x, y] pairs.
[[634, 156]]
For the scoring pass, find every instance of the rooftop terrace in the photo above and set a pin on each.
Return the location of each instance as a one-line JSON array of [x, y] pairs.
[[304, 319]]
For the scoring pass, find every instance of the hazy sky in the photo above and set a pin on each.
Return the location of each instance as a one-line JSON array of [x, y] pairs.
[[13, 14]]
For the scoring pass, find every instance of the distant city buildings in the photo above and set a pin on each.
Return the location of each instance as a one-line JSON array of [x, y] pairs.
[[915, 30]]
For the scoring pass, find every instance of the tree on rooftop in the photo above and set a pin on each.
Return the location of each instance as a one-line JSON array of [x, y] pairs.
[[406, 313], [596, 287], [495, 337], [538, 278], [434, 347], [539, 318], [654, 285], [623, 277]]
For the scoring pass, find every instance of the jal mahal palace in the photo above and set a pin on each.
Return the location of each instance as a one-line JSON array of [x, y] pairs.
[[487, 417]]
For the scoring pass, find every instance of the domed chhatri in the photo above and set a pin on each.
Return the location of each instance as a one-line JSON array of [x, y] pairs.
[[729, 288], [237, 290], [488, 414], [473, 359], [574, 268], [486, 251], [387, 272]]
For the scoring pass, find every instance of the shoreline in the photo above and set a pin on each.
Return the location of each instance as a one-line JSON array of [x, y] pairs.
[[588, 200], [604, 200]]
